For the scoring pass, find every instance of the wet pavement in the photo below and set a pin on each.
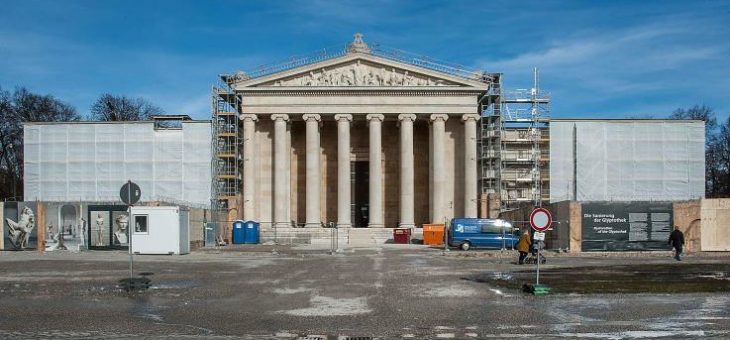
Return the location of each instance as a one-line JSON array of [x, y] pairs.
[[388, 292]]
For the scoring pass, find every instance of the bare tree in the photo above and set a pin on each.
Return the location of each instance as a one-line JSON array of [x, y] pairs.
[[717, 143], [17, 108], [120, 108], [697, 112], [721, 155]]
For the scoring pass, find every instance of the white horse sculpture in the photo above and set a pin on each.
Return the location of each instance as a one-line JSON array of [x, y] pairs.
[[19, 232]]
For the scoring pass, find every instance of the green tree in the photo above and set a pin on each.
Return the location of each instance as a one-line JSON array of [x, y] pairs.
[[16, 108]]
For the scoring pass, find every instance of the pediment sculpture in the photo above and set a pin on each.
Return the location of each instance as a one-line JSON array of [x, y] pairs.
[[360, 74]]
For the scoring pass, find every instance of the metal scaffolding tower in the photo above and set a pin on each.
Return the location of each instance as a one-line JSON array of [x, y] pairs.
[[227, 161], [514, 141]]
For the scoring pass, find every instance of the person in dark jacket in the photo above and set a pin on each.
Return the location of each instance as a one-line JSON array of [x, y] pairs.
[[676, 240]]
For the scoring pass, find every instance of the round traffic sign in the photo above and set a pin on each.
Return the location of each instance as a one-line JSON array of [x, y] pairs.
[[540, 219], [130, 193]]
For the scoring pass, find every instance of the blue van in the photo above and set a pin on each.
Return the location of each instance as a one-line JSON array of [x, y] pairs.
[[466, 233]]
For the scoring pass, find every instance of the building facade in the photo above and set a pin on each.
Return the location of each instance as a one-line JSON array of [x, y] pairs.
[[358, 139]]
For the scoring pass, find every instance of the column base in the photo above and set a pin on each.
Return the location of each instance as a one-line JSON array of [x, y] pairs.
[[344, 225], [373, 225], [281, 225], [313, 225], [406, 225]]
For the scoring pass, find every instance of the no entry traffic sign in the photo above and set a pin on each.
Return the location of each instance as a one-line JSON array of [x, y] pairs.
[[130, 193], [540, 219]]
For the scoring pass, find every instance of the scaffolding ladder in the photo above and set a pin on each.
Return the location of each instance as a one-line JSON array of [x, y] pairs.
[[227, 157], [514, 141]]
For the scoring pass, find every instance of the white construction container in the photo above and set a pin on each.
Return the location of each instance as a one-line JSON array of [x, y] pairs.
[[160, 230]]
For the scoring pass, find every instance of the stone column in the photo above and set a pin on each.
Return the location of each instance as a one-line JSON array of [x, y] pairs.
[[314, 174], [375, 217], [281, 171], [470, 164], [249, 173], [438, 132], [407, 197], [344, 213]]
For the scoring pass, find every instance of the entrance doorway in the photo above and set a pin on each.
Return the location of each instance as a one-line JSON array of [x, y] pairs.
[[360, 174]]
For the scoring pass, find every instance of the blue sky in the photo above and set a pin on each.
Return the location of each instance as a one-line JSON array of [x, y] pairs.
[[599, 59]]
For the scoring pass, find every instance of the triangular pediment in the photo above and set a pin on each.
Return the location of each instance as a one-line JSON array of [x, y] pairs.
[[359, 70]]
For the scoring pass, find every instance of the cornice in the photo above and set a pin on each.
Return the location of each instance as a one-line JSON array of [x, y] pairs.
[[324, 92]]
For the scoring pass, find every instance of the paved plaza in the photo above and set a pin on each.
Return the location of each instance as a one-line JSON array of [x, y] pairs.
[[387, 292]]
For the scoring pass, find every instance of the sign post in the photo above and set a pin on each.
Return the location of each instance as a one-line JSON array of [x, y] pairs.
[[130, 194], [540, 220]]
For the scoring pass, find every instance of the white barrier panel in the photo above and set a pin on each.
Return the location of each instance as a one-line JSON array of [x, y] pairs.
[[90, 162], [626, 160]]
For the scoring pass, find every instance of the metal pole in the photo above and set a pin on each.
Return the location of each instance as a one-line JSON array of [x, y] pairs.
[[332, 241], [276, 242], [501, 251], [129, 231], [538, 265], [446, 227]]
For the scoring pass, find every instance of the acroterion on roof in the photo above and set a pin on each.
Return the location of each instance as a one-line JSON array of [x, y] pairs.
[[359, 46]]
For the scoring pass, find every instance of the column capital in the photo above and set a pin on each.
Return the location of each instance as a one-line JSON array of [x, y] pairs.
[[469, 116], [282, 116], [308, 116], [248, 116], [440, 116], [375, 116], [408, 116], [342, 116]]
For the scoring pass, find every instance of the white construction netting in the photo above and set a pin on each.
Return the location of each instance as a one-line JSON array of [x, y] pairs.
[[627, 161], [91, 161]]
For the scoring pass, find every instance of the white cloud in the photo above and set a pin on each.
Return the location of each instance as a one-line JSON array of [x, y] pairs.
[[588, 71]]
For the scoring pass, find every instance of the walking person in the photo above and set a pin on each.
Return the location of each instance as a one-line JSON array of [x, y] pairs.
[[523, 246], [676, 240]]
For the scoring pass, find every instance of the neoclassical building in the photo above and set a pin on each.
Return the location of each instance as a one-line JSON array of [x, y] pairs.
[[362, 138]]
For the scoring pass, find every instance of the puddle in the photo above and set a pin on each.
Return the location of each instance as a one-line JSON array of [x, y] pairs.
[[326, 306], [448, 291], [179, 284], [654, 278]]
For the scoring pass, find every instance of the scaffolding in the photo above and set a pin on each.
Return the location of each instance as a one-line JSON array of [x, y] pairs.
[[514, 145], [227, 158]]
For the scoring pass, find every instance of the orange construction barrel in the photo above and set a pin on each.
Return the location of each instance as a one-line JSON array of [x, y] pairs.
[[433, 234]]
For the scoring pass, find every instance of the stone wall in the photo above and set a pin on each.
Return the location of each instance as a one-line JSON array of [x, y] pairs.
[[565, 221], [566, 229], [196, 219], [715, 229], [687, 216], [40, 223], [576, 227]]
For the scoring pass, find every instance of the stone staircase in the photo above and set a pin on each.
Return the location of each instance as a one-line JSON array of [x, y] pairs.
[[351, 237], [365, 237]]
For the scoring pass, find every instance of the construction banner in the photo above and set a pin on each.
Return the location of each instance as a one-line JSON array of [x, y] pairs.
[[620, 226]]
